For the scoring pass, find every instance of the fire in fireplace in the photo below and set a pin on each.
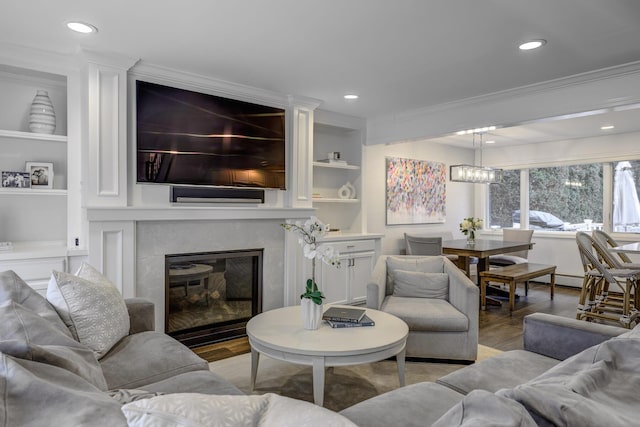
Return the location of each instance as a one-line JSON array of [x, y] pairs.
[[211, 296]]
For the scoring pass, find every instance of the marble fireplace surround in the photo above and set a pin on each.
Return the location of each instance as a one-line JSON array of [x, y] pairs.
[[129, 246]]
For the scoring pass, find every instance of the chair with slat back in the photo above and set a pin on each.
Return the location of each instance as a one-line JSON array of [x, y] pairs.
[[608, 293], [422, 245]]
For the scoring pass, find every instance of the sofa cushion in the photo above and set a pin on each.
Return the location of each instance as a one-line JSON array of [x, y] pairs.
[[26, 335], [37, 394], [481, 408], [415, 284], [145, 358], [192, 409], [504, 370], [426, 314], [13, 288], [416, 405], [94, 311], [205, 382], [424, 264]]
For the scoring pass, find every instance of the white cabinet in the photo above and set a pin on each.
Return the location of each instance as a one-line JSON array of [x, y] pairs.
[[348, 284]]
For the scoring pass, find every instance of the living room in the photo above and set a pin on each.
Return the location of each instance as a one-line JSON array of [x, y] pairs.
[[96, 211]]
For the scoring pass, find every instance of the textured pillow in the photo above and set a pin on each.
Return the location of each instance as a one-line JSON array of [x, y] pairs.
[[94, 311], [36, 394], [26, 335], [13, 288], [415, 284], [204, 410], [424, 264]]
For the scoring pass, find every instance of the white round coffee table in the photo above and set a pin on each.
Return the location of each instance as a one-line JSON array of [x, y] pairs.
[[279, 334]]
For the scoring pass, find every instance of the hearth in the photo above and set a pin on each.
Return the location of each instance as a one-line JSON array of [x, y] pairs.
[[210, 296]]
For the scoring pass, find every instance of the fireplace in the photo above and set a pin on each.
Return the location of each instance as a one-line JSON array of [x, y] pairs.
[[210, 296]]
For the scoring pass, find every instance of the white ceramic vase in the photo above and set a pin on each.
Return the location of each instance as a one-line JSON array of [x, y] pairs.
[[42, 117], [311, 313]]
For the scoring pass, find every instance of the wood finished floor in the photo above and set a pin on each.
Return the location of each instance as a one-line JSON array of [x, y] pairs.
[[498, 329]]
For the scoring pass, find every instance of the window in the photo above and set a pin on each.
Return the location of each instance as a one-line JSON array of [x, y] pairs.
[[504, 199], [626, 208], [570, 198]]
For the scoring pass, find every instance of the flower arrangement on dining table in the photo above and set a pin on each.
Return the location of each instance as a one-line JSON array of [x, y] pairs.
[[469, 226], [309, 232]]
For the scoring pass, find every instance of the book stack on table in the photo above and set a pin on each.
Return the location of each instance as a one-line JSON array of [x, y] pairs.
[[345, 317]]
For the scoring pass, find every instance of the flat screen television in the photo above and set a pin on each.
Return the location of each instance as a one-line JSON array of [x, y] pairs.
[[190, 138]]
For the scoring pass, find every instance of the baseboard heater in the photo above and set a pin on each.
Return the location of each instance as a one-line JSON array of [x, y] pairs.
[[216, 195]]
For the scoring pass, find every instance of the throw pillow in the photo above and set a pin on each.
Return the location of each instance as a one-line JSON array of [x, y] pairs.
[[191, 409], [94, 311], [424, 264], [37, 394], [13, 288], [26, 335], [415, 284]]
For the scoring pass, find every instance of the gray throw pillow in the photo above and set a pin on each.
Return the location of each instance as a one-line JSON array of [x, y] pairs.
[[26, 335], [424, 264], [94, 311], [415, 284], [37, 394], [13, 288]]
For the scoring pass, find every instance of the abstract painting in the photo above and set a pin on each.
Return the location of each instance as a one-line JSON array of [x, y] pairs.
[[416, 191]]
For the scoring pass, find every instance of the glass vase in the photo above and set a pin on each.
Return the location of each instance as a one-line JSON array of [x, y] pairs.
[[471, 237]]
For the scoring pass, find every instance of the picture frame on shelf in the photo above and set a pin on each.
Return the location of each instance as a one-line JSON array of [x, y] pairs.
[[40, 174], [15, 179]]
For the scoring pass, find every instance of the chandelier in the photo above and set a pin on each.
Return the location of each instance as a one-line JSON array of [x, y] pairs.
[[473, 173]]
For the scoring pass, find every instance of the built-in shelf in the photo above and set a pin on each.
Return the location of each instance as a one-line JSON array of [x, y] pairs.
[[31, 192], [15, 134], [335, 166], [328, 200]]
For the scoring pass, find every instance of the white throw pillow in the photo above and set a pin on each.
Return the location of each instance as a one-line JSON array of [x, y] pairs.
[[204, 410], [416, 284], [91, 306]]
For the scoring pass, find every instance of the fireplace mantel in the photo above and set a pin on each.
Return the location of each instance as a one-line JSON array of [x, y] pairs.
[[185, 213]]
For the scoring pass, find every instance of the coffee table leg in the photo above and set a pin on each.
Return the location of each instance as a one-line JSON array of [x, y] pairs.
[[255, 357], [318, 381], [400, 361]]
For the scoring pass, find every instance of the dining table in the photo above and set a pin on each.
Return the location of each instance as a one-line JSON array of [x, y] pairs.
[[481, 249]]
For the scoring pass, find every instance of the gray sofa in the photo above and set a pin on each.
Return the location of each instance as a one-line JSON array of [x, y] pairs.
[[570, 372], [48, 378]]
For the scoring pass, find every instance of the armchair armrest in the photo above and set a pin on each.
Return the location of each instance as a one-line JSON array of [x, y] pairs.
[[141, 315], [561, 337], [463, 294], [377, 284]]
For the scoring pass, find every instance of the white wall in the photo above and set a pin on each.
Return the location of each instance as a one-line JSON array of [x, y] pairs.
[[459, 195]]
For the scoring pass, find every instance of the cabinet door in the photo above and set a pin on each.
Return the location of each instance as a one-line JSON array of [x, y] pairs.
[[334, 282], [361, 266]]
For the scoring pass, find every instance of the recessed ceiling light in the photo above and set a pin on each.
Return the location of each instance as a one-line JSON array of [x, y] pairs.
[[490, 142], [351, 96], [81, 27], [608, 127], [532, 44]]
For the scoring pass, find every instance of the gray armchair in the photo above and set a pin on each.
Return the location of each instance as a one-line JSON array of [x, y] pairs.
[[435, 298]]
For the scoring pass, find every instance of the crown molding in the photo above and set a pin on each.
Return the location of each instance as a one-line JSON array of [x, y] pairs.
[[214, 86]]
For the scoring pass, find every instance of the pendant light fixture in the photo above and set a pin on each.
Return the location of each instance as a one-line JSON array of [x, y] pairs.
[[473, 173]]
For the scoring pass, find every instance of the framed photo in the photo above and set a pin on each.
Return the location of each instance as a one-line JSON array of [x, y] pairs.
[[15, 179], [40, 174], [416, 191]]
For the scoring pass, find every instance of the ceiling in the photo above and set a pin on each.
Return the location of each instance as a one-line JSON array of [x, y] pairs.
[[396, 55]]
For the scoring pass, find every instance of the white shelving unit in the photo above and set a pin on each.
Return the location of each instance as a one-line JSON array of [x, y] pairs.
[[32, 215]]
